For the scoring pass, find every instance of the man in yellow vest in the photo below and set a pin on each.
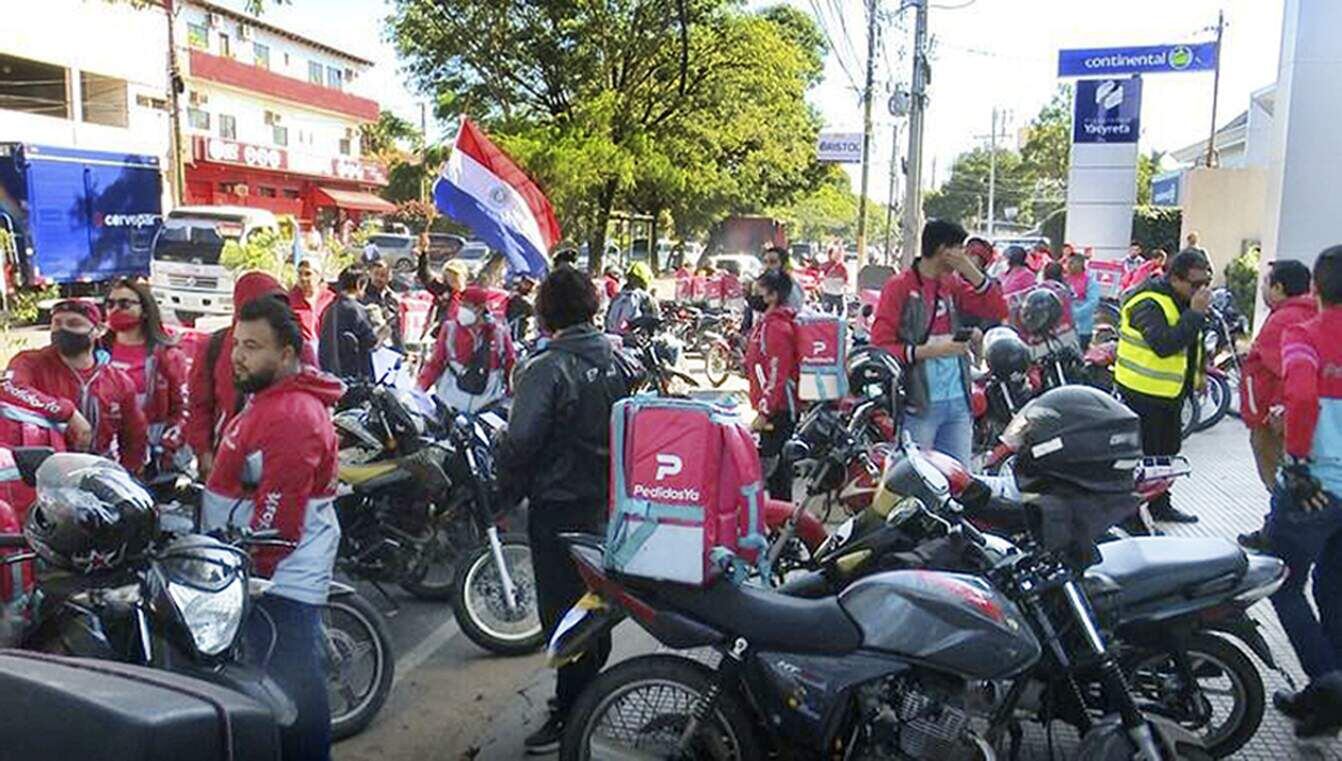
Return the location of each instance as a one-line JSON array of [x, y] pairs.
[[1160, 357]]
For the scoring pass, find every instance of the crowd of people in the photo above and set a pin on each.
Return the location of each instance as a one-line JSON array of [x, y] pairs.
[[116, 382]]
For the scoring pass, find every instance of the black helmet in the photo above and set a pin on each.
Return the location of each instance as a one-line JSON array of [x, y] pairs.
[[1076, 435], [1041, 312], [90, 515], [874, 372], [1006, 354]]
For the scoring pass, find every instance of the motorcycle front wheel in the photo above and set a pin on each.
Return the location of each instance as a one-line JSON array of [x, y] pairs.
[[1224, 706], [642, 706], [480, 605], [432, 575], [1213, 402], [1189, 414], [361, 664]]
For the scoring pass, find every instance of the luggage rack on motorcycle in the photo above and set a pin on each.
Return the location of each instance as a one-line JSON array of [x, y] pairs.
[[1163, 468]]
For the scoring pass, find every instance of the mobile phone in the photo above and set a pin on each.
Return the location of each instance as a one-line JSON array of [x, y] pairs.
[[962, 335]]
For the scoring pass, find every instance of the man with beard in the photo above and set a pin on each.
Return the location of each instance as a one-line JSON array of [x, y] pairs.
[[276, 469], [93, 400]]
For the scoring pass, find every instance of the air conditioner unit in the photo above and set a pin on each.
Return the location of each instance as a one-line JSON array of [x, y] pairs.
[[212, 19], [244, 32]]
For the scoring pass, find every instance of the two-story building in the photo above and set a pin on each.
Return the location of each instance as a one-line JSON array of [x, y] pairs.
[[271, 119]]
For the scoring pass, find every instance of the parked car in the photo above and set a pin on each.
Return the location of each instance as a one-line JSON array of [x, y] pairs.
[[444, 246], [475, 253], [1027, 242], [397, 250], [744, 266]]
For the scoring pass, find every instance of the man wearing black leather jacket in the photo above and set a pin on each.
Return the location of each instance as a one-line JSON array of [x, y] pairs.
[[557, 452]]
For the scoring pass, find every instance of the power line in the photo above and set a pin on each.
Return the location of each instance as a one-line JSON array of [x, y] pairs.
[[838, 54]]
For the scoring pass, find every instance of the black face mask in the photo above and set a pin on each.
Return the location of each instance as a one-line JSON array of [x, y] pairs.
[[756, 302], [71, 344], [254, 382]]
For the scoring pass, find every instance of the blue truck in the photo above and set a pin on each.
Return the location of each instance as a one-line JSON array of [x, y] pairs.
[[77, 216]]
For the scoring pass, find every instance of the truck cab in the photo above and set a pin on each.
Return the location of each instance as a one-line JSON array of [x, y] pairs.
[[185, 269]]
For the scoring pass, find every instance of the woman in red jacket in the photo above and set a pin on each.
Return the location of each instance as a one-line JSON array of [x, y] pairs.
[[140, 347], [771, 367]]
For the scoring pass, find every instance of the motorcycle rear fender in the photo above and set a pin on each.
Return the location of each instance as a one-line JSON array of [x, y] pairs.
[[1240, 626], [251, 682]]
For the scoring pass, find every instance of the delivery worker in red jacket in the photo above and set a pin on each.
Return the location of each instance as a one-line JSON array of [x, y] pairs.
[[772, 369], [1305, 525], [918, 321], [32, 419], [310, 297], [275, 468], [1286, 291], [103, 397], [211, 396], [138, 345], [472, 358]]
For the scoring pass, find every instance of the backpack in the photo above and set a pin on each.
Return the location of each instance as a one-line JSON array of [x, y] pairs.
[[822, 356], [473, 378], [686, 497], [623, 309]]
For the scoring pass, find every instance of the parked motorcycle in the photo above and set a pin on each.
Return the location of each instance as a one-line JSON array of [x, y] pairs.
[[903, 664], [1231, 329], [1098, 371], [725, 352]]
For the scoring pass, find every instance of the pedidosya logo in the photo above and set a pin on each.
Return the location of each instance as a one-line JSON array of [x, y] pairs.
[[667, 465], [1181, 57]]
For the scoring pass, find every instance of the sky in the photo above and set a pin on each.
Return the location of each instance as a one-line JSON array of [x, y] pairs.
[[986, 53]]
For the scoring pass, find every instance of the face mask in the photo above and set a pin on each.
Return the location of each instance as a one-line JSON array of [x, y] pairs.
[[756, 302], [71, 344], [466, 317], [119, 321]]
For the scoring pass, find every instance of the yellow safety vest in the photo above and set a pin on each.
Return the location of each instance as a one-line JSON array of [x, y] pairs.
[[1139, 368]]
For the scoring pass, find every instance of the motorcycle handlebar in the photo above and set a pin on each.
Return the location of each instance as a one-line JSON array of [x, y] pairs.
[[13, 541]]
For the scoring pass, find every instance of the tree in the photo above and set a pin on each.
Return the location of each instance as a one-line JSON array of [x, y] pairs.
[[964, 196], [1148, 167], [830, 211], [1047, 153], [579, 92]]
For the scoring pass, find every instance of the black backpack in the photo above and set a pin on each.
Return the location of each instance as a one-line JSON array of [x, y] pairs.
[[474, 376]]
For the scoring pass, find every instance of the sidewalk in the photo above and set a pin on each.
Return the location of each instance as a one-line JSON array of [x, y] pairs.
[[1223, 489]]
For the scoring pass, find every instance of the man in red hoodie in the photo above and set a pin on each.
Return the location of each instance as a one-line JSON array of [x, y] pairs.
[[310, 297], [918, 321], [771, 367], [95, 398], [210, 394], [276, 469]]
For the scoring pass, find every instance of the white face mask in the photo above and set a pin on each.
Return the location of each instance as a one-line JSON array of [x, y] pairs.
[[466, 317]]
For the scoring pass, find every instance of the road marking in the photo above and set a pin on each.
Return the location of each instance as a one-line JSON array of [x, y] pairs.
[[425, 649]]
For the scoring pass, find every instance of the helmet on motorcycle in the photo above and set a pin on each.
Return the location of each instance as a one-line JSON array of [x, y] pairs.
[[1041, 312], [874, 372], [89, 515], [1077, 435], [1005, 352]]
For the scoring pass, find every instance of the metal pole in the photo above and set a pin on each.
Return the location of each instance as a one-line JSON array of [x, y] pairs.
[[992, 176], [174, 110], [913, 200], [866, 135], [890, 195], [1216, 88]]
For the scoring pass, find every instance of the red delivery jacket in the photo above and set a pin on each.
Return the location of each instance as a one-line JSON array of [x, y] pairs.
[[106, 398], [310, 316], [1261, 388], [771, 363], [164, 398]]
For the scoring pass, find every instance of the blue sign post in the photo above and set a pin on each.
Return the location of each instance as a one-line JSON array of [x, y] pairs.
[[1165, 189], [1107, 111], [1149, 59]]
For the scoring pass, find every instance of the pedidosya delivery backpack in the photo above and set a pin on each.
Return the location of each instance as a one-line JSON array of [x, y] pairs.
[[822, 356], [687, 492]]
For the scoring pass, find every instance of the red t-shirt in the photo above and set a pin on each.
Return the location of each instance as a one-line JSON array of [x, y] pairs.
[[131, 360]]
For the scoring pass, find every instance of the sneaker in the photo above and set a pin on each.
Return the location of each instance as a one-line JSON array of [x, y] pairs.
[[546, 739], [1292, 705], [1173, 515], [1255, 540]]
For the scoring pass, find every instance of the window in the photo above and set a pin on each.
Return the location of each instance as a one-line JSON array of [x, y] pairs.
[[225, 46], [290, 193], [197, 119], [265, 192], [261, 55], [314, 72], [103, 99], [198, 36], [334, 77], [344, 146], [228, 127], [281, 135], [33, 87]]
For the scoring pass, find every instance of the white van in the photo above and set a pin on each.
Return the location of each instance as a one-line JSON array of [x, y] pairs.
[[185, 272]]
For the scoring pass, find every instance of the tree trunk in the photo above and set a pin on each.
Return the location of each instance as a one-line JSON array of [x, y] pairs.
[[596, 244]]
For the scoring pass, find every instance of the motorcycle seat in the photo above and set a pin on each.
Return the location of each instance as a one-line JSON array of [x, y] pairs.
[[371, 475], [767, 620], [1149, 568]]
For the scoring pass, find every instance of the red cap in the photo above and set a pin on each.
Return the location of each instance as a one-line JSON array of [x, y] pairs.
[[89, 309]]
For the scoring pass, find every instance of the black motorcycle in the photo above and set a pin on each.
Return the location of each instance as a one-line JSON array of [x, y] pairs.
[[901, 664]]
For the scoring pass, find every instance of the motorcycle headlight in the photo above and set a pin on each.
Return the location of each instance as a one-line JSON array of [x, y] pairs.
[[208, 586]]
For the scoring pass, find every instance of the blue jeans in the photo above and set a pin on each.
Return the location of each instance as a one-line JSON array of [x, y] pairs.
[[1304, 540], [290, 634], [945, 426]]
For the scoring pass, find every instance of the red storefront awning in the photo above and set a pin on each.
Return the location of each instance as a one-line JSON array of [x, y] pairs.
[[352, 199]]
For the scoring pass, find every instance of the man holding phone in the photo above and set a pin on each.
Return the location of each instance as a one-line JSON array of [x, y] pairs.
[[1160, 357], [920, 320]]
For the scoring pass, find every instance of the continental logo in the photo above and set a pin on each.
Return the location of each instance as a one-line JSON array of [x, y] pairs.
[[667, 493]]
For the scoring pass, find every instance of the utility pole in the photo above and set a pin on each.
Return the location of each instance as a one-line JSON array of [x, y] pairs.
[[992, 175], [913, 199], [890, 196], [174, 112], [866, 136], [1216, 88]]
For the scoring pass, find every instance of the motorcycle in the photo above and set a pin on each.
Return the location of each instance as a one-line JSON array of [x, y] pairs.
[[902, 664], [656, 355], [1231, 328], [725, 354], [1098, 371]]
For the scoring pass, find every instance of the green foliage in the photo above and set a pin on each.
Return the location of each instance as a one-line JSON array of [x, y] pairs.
[[1047, 153], [23, 303], [829, 211], [416, 215], [263, 250], [1242, 279], [964, 196], [1148, 167], [1157, 227]]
